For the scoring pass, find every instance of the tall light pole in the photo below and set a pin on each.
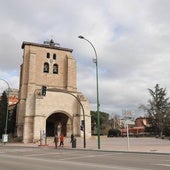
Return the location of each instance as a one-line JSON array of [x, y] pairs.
[[97, 88], [5, 136]]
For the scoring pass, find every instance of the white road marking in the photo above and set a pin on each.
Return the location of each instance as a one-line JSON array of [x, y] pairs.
[[167, 165], [79, 156], [42, 154], [99, 166], [88, 156]]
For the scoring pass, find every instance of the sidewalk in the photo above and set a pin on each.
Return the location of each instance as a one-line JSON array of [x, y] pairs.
[[134, 145], [142, 144]]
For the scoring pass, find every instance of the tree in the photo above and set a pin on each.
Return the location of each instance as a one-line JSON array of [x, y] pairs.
[[12, 119], [11, 115], [114, 121], [3, 112], [158, 109], [104, 118], [167, 124]]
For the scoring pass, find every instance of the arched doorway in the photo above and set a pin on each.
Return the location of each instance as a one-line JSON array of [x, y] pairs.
[[53, 122]]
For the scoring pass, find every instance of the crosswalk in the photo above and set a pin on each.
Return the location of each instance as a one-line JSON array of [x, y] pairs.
[[4, 150], [43, 158]]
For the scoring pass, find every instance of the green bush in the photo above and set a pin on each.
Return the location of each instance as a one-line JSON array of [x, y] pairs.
[[114, 133]]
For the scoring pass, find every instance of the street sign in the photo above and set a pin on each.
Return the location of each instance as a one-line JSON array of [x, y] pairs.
[[129, 122], [5, 138]]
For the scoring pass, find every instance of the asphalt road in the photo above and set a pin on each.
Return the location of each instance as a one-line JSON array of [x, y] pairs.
[[26, 158]]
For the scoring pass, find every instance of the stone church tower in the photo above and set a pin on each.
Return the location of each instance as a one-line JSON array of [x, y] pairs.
[[52, 68]]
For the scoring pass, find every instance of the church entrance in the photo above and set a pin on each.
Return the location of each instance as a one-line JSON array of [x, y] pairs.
[[58, 123]]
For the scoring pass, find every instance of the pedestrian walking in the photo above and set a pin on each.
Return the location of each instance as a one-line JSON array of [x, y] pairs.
[[62, 140], [56, 141]]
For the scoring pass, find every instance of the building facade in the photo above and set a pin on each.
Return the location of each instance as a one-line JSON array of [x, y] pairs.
[[61, 106]]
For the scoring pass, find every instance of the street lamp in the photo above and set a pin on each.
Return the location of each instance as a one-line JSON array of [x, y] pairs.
[[97, 88], [5, 136]]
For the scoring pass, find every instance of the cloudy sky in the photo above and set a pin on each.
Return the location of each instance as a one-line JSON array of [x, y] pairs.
[[131, 37]]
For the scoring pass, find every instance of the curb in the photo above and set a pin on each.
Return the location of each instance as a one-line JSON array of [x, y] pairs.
[[86, 149], [136, 152]]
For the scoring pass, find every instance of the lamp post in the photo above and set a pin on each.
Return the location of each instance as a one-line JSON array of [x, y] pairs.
[[5, 136], [97, 88]]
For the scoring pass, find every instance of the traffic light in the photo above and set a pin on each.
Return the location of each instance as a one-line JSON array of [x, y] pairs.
[[82, 125], [43, 92], [81, 128]]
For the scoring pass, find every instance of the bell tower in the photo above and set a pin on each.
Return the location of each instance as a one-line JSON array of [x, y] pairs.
[[51, 68]]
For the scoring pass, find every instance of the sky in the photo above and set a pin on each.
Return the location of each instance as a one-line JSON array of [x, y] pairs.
[[131, 38]]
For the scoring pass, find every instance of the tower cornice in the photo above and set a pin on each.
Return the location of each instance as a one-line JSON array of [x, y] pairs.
[[45, 46]]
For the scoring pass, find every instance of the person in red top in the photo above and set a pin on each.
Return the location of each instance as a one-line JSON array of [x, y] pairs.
[[62, 140]]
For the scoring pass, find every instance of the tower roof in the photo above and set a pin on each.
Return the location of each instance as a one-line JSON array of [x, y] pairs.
[[52, 46]]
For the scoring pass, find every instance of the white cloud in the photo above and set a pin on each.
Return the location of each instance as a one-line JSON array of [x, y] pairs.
[[131, 38]]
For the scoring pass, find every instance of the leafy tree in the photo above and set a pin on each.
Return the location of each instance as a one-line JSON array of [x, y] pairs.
[[167, 124], [104, 118], [158, 109], [12, 120], [11, 116], [3, 112]]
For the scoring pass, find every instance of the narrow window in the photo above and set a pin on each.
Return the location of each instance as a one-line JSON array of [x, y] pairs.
[[54, 56], [46, 68], [55, 68], [48, 55]]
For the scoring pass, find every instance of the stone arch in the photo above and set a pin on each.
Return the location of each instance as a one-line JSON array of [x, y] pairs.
[[57, 119]]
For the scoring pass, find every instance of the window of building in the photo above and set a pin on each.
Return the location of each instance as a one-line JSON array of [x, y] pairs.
[[48, 55], [55, 68], [54, 56], [46, 68]]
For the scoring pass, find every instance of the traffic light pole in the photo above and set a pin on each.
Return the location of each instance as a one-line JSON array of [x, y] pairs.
[[84, 129]]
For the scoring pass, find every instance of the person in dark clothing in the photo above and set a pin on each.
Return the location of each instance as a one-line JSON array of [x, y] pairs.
[[56, 141], [72, 138]]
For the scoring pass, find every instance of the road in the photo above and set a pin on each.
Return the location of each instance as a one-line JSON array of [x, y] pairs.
[[26, 158]]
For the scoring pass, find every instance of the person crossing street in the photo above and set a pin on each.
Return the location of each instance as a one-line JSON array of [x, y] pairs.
[[61, 140]]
